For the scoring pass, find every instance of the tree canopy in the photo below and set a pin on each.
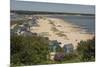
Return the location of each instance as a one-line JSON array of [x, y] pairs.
[[28, 50], [86, 50]]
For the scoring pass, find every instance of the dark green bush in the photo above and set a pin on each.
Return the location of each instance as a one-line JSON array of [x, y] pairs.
[[86, 50], [28, 50]]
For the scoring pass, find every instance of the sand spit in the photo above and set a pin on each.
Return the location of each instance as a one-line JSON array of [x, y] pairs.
[[60, 30]]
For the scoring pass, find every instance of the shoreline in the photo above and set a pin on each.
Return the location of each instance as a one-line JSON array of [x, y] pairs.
[[60, 30]]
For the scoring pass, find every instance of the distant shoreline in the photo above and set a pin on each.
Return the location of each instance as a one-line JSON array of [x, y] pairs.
[[45, 13]]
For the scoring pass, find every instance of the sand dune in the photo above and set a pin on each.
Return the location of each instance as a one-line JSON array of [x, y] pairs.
[[60, 30]]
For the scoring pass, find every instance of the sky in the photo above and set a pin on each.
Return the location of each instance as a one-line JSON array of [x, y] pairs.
[[50, 7], [84, 2]]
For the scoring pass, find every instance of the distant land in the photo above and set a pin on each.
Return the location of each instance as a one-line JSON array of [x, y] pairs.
[[40, 12]]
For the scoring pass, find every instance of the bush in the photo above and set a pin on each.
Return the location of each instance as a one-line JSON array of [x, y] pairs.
[[70, 56], [28, 50], [86, 50], [59, 57]]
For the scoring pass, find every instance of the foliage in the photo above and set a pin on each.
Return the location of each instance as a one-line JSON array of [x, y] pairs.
[[54, 29], [19, 22], [61, 34], [70, 56], [65, 58], [86, 50], [28, 50], [33, 50], [59, 57]]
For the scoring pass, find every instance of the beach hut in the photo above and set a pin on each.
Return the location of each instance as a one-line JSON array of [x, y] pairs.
[[68, 48], [54, 46]]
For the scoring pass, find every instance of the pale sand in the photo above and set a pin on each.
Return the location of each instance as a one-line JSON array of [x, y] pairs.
[[72, 34]]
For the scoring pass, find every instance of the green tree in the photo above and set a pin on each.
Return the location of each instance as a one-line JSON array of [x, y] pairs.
[[28, 50], [86, 50]]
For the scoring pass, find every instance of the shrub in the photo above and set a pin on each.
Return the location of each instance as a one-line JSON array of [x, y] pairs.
[[86, 50], [28, 50], [59, 57], [70, 56]]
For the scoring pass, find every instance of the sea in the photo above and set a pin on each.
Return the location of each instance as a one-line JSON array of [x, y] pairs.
[[85, 22]]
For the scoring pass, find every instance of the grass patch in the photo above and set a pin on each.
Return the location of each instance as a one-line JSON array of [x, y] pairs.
[[54, 29], [44, 34], [51, 22], [19, 22], [60, 34]]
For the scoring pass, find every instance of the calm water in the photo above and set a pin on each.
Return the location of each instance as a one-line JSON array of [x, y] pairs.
[[85, 22]]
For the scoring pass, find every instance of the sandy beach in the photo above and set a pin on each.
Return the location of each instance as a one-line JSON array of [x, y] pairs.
[[60, 30]]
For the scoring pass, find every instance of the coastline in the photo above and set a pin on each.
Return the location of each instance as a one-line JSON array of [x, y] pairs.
[[60, 30]]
